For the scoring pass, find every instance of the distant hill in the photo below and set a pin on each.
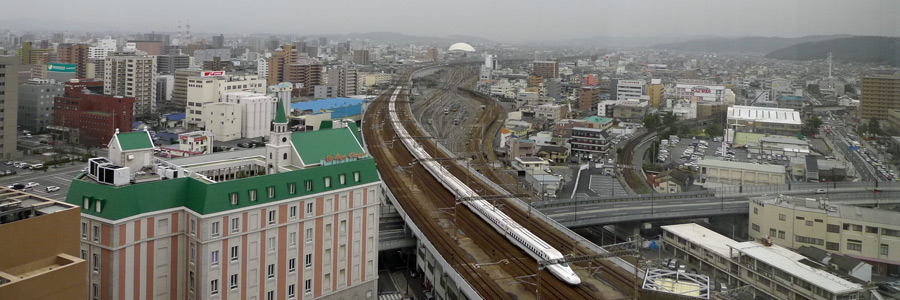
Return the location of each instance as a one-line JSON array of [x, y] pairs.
[[865, 49], [395, 37], [755, 44]]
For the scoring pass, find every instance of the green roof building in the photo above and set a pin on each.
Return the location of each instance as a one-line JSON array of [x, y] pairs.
[[299, 216]]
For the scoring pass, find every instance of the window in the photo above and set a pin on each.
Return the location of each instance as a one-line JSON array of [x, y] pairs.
[[327, 181], [755, 210], [327, 231], [781, 234], [356, 176], [308, 260], [832, 246], [234, 198], [193, 226], [890, 232], [342, 179], [328, 255], [193, 252], [833, 228], [271, 192], [95, 262], [96, 233], [292, 239], [291, 291], [809, 223], [97, 205], [84, 254], [309, 185], [292, 188], [854, 245], [270, 295], [214, 258], [309, 208], [86, 203], [782, 217], [292, 265], [214, 287], [772, 232], [191, 280], [307, 285], [270, 271], [235, 225], [96, 291], [292, 212], [884, 249], [233, 282], [252, 195], [271, 244], [800, 218], [309, 235], [809, 240], [84, 230], [214, 229], [234, 253], [870, 229], [343, 228], [272, 217]]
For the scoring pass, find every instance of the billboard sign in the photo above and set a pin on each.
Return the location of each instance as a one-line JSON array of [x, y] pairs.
[[213, 73], [61, 68]]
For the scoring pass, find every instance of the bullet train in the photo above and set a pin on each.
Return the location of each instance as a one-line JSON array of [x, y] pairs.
[[518, 235]]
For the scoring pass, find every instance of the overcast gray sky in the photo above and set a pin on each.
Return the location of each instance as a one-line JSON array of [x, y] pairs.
[[501, 20]]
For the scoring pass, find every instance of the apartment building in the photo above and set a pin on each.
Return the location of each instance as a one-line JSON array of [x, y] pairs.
[[78, 54], [40, 248], [871, 235], [588, 97], [879, 94], [133, 76], [276, 63], [545, 69], [9, 99], [588, 142], [771, 271], [296, 219], [180, 87], [345, 79], [305, 74], [36, 103]]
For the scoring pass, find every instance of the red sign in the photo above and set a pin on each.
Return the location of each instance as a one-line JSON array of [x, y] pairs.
[[213, 73], [700, 89]]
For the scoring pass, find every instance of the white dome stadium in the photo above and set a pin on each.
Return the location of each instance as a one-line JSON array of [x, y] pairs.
[[462, 47]]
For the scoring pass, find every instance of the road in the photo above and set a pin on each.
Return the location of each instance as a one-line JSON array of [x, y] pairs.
[[61, 177]]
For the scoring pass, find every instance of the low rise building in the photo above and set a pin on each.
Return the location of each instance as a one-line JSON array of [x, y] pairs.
[[764, 120], [739, 173], [770, 271], [871, 235], [40, 249], [586, 142], [631, 109], [224, 120], [550, 112], [256, 112], [90, 119]]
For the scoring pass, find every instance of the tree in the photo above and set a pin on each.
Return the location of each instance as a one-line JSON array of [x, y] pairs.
[[811, 126], [683, 129], [875, 127], [668, 119], [651, 122], [713, 130]]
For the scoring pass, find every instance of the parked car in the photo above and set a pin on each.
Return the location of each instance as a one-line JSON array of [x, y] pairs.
[[32, 184], [51, 189], [682, 268], [672, 264], [820, 191]]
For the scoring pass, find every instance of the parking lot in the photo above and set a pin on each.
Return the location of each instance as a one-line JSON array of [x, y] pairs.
[[59, 177], [687, 152]]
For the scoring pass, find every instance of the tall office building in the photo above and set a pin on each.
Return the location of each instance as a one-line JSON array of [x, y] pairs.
[[36, 103], [40, 248], [218, 41], [102, 47], [278, 61], [545, 69], [307, 73], [361, 57], [879, 94], [167, 64], [78, 54], [9, 99], [345, 79], [132, 76], [180, 88], [285, 221]]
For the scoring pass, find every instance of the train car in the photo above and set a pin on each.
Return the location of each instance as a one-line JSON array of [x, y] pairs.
[[518, 235]]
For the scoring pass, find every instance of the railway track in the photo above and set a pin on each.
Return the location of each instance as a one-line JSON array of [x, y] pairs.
[[614, 275], [514, 262]]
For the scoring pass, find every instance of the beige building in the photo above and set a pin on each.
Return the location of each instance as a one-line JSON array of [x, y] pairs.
[[180, 88], [224, 120], [204, 90], [631, 109], [9, 100], [871, 235], [39, 242], [545, 69], [878, 95], [133, 76], [551, 112], [781, 121], [345, 79], [740, 173], [771, 271], [371, 79]]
